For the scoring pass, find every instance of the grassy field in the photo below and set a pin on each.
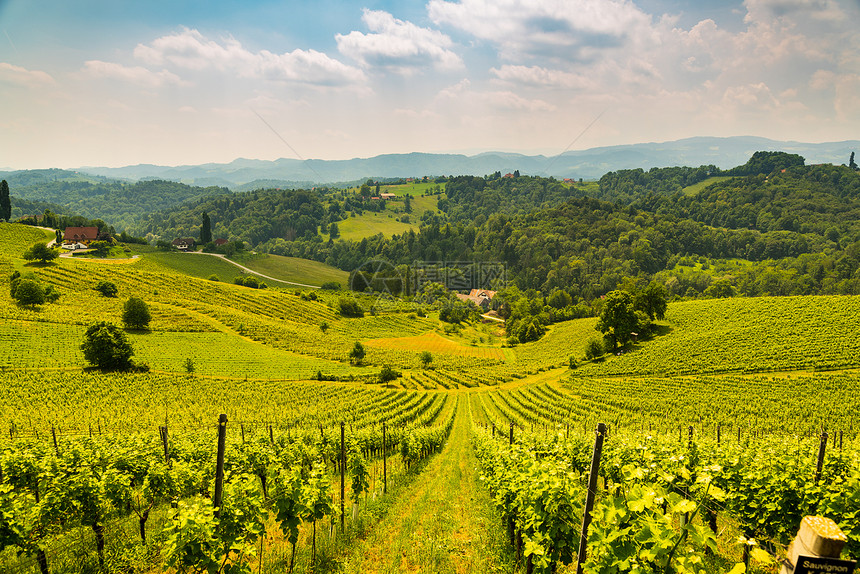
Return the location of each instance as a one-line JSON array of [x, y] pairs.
[[369, 223], [296, 270], [697, 187], [16, 238], [200, 266]]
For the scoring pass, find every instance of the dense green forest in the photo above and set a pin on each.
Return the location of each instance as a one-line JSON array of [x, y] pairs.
[[120, 204], [773, 226]]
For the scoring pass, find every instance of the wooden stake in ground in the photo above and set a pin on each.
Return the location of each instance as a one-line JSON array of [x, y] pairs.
[[219, 464], [591, 494]]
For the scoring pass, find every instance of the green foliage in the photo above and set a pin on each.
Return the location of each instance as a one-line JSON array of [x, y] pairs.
[[135, 314], [5, 201], [357, 354], [100, 248], [122, 204], [766, 162], [27, 289], [594, 348], [652, 300], [634, 530], [249, 281], [387, 374], [205, 229], [618, 318], [628, 185], [41, 252], [331, 286], [28, 292], [106, 288], [426, 358], [105, 346], [349, 307]]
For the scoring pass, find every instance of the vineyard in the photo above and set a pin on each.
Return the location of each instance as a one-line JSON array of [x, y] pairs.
[[714, 431]]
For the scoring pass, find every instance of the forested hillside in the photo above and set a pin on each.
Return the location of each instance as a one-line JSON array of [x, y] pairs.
[[771, 226], [120, 204]]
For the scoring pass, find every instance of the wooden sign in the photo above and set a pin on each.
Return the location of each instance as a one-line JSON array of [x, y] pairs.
[[817, 565]]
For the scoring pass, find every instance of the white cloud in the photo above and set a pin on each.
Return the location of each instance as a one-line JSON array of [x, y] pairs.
[[461, 94], [794, 10], [542, 77], [134, 74], [566, 29], [398, 45], [12, 74], [191, 50]]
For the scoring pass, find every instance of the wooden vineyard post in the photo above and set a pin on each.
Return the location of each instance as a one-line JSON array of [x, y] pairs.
[[822, 446], [590, 495], [690, 437], [342, 474], [511, 438], [163, 432], [718, 433], [56, 446], [271, 435], [494, 430], [840, 440], [242, 428], [384, 463], [816, 548], [219, 464], [739, 434]]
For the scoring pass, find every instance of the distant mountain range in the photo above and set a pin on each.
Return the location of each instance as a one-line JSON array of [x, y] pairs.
[[243, 174]]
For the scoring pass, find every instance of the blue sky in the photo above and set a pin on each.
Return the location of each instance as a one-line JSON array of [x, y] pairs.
[[107, 82]]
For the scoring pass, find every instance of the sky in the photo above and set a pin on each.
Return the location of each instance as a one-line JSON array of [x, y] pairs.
[[177, 82]]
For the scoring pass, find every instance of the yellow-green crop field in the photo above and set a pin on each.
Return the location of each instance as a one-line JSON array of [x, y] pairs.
[[748, 368]]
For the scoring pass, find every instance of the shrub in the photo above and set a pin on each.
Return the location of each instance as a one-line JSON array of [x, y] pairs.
[[387, 374], [135, 314], [349, 308], [106, 347], [106, 288], [331, 286], [594, 348]]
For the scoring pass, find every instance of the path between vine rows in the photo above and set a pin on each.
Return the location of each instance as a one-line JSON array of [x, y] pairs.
[[444, 522]]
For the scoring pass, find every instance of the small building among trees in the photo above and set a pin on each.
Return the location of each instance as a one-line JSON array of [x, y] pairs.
[[79, 237], [482, 298], [184, 243]]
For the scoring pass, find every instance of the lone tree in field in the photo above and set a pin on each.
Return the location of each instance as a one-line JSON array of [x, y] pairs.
[[105, 346], [135, 314], [5, 201], [28, 292], [106, 288], [851, 163], [206, 230], [618, 317], [387, 374], [426, 358], [356, 356], [41, 252]]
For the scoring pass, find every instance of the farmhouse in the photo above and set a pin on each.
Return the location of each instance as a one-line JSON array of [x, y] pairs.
[[220, 241], [387, 196], [78, 236], [480, 297], [183, 243]]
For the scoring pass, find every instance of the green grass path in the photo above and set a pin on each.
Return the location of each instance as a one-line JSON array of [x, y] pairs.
[[443, 523]]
